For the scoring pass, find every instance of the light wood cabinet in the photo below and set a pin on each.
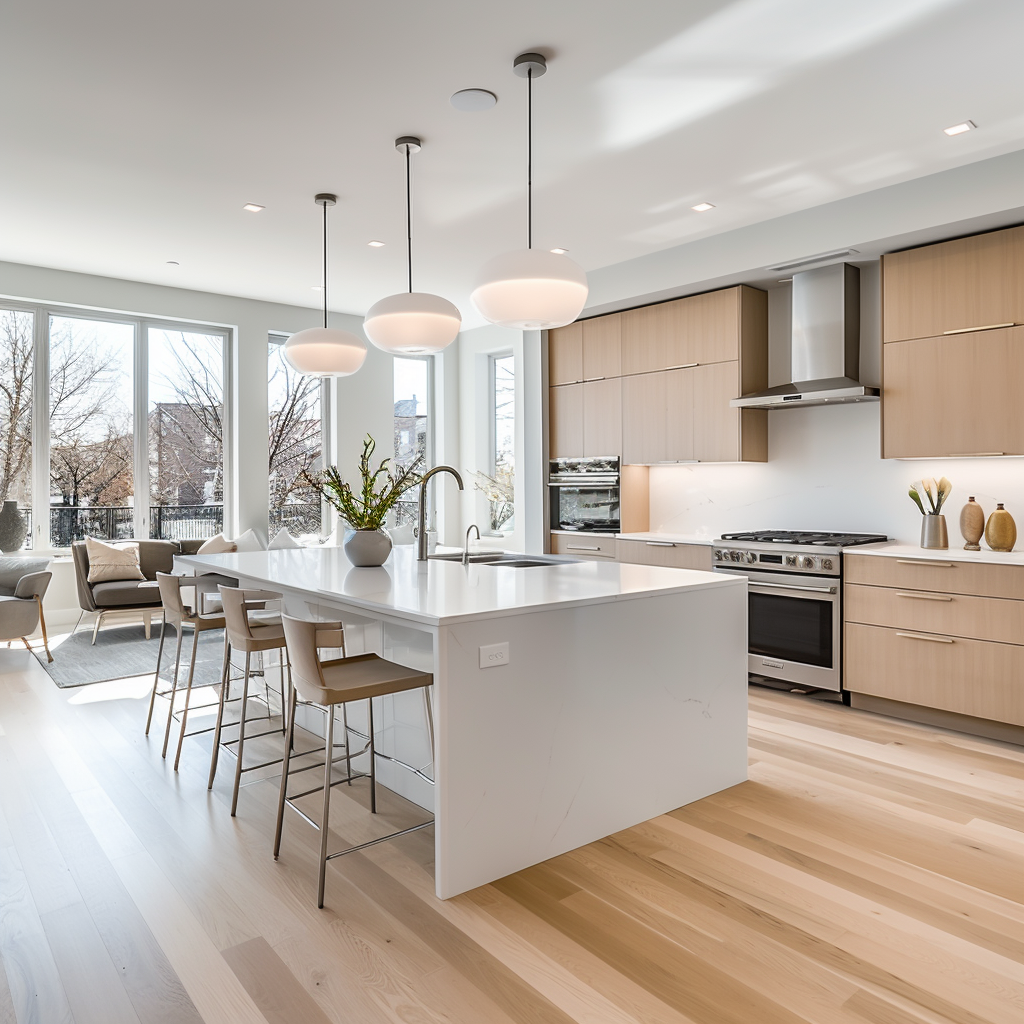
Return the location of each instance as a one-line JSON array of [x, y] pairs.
[[602, 417], [583, 545], [937, 633], [565, 421], [957, 394], [963, 284], [565, 354], [645, 418], [602, 347], [669, 553]]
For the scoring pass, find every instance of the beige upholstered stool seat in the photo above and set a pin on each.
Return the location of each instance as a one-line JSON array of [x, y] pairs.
[[360, 677]]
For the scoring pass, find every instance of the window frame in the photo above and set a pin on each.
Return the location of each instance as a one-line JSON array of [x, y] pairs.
[[428, 453]]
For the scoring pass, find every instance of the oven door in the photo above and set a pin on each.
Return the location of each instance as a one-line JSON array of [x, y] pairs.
[[794, 627], [585, 507]]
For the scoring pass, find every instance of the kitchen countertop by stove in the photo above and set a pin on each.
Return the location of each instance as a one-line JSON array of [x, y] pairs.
[[955, 553]]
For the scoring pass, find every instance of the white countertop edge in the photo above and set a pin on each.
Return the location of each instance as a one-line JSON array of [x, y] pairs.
[[895, 549], [378, 609]]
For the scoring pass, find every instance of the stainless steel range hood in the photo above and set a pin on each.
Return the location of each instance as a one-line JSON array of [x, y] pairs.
[[826, 344]]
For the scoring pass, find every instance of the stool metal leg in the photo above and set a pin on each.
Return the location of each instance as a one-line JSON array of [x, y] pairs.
[[324, 822], [241, 736], [174, 689], [373, 760], [225, 674], [196, 633], [156, 674], [284, 773]]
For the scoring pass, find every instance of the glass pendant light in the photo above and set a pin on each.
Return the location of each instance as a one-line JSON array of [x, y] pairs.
[[530, 289], [411, 323], [325, 351]]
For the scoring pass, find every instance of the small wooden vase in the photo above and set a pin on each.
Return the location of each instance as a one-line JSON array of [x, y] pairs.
[[972, 524], [1001, 530]]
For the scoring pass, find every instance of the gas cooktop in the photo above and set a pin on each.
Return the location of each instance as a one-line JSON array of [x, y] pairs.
[[811, 537]]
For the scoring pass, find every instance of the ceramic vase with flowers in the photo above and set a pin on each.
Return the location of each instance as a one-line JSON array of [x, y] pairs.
[[366, 541], [933, 525]]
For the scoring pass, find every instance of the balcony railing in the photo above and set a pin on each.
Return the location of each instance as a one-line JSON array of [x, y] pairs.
[[299, 518], [117, 522]]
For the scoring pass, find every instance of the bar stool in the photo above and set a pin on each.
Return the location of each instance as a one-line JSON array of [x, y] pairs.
[[328, 684], [179, 616], [252, 629]]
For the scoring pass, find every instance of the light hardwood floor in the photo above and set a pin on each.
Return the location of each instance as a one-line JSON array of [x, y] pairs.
[[870, 871]]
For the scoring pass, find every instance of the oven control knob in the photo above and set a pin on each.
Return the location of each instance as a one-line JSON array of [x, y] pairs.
[[790, 559], [826, 563], [805, 562], [716, 555], [749, 556], [735, 555]]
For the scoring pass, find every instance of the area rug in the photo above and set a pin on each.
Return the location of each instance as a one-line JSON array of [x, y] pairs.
[[123, 651]]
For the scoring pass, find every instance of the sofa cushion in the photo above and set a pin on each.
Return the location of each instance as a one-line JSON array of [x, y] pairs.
[[283, 540], [248, 541], [124, 594], [110, 562], [218, 545]]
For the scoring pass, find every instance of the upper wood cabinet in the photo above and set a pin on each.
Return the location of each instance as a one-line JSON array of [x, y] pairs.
[[565, 355], [961, 285], [602, 347], [602, 417], [958, 394], [565, 421]]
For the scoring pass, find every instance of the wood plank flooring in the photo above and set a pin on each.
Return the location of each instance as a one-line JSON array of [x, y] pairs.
[[871, 872]]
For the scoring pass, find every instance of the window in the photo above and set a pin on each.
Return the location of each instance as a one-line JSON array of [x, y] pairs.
[[92, 465], [16, 370], [412, 424], [186, 434], [296, 446], [501, 490]]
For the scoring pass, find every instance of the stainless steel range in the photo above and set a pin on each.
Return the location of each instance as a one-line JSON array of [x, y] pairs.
[[795, 597]]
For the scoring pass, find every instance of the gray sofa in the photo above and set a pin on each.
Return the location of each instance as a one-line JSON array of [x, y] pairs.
[[122, 596]]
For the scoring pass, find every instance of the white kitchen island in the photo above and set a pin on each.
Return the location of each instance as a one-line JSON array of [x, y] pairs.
[[623, 694]]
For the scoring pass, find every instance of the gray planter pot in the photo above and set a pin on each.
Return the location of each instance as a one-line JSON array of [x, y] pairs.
[[933, 531], [367, 547], [12, 527]]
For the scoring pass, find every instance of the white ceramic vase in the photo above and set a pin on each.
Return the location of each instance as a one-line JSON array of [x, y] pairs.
[[367, 547]]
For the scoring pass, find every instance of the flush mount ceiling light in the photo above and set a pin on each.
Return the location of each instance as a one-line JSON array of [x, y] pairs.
[[703, 207], [411, 323], [959, 129], [530, 289], [375, 243], [324, 351], [472, 100], [253, 207]]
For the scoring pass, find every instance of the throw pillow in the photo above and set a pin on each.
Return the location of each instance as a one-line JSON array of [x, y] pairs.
[[248, 542], [218, 545], [12, 569], [283, 540], [107, 562]]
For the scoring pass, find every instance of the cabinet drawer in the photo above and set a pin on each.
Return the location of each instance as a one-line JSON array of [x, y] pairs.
[[969, 677], [979, 618], [933, 573], [677, 556], [583, 545]]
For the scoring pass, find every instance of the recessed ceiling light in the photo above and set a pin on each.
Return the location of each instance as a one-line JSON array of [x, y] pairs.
[[173, 263], [317, 288], [375, 243], [701, 207], [253, 207], [473, 99], [559, 252], [959, 129]]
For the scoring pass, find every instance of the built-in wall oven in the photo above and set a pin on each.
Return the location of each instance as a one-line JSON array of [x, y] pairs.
[[794, 601], [585, 495]]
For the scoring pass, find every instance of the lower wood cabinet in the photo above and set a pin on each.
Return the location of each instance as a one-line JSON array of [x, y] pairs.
[[659, 552], [958, 394]]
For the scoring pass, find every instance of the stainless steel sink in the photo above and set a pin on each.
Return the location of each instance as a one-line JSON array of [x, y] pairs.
[[474, 556], [511, 560], [523, 563]]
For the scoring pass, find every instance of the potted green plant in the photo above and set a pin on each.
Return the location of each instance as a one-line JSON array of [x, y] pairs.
[[366, 542], [933, 526]]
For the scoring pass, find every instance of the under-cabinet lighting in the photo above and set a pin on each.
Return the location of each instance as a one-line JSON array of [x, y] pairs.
[[959, 129], [703, 207], [253, 208]]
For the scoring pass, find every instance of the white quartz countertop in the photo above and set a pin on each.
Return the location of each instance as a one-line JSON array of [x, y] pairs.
[[667, 538], [440, 593], [954, 553]]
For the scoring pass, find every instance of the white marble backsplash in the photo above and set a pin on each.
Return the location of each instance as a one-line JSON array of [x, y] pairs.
[[825, 473]]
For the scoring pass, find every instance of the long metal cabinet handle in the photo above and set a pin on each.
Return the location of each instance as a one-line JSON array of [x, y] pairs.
[[578, 547], [924, 561], [792, 586], [926, 597], [659, 543], [984, 327], [925, 636]]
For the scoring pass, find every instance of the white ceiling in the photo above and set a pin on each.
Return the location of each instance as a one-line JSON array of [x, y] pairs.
[[134, 133]]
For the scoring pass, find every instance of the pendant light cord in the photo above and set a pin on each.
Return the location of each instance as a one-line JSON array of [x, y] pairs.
[[408, 209], [529, 158], [324, 289]]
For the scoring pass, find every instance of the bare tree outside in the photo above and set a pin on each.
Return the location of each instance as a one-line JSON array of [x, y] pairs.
[[16, 406], [295, 446]]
